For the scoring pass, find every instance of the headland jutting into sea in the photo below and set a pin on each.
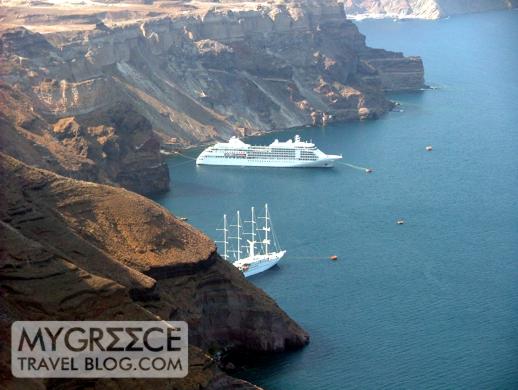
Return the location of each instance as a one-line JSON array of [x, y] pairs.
[[90, 92]]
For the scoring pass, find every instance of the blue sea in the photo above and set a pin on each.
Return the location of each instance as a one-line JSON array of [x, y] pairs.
[[433, 303]]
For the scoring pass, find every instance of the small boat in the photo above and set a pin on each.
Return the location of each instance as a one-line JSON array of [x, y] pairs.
[[259, 256], [400, 221], [334, 257], [183, 218], [429, 148], [165, 152], [368, 170]]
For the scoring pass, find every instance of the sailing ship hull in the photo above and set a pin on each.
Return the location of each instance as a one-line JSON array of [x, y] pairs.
[[260, 268], [259, 264]]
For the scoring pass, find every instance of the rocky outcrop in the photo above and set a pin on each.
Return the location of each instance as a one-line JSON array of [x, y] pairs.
[[422, 9], [84, 251], [395, 71], [115, 145], [207, 73]]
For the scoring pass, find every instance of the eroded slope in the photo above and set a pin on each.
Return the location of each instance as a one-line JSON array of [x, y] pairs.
[[78, 250], [195, 72]]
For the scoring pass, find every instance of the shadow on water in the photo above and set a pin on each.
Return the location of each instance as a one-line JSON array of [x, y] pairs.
[[188, 189]]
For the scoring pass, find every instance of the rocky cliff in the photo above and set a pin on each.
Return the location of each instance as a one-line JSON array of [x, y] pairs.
[[87, 94], [186, 73], [114, 145], [79, 250], [422, 9]]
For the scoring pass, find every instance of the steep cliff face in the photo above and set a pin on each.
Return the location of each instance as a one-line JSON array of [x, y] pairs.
[[114, 145], [204, 73], [79, 250], [422, 9]]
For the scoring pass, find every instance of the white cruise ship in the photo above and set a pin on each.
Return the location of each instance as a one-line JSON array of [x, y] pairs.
[[292, 153]]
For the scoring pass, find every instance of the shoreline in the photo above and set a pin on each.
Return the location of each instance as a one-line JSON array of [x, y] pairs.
[[259, 133], [395, 17], [405, 18]]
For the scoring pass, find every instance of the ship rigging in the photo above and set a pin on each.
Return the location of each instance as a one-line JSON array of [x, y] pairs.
[[260, 253]]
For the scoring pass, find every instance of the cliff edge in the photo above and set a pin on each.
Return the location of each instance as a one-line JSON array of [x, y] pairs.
[[421, 9], [196, 71], [83, 251]]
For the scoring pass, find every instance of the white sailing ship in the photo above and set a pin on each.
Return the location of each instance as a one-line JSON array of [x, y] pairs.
[[288, 154], [258, 255]]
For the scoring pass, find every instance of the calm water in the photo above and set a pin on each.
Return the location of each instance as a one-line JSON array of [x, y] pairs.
[[429, 304]]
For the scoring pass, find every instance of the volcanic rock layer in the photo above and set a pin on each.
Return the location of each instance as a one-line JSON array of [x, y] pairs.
[[83, 251], [422, 9], [93, 97], [88, 93]]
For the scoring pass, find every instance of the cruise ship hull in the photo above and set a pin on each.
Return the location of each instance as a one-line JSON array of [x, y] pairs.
[[289, 154], [322, 163]]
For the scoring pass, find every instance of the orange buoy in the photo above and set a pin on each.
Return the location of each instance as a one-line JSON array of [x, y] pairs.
[[334, 257]]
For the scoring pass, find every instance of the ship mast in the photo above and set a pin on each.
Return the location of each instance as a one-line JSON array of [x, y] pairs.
[[225, 241], [251, 243], [266, 229], [238, 238]]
